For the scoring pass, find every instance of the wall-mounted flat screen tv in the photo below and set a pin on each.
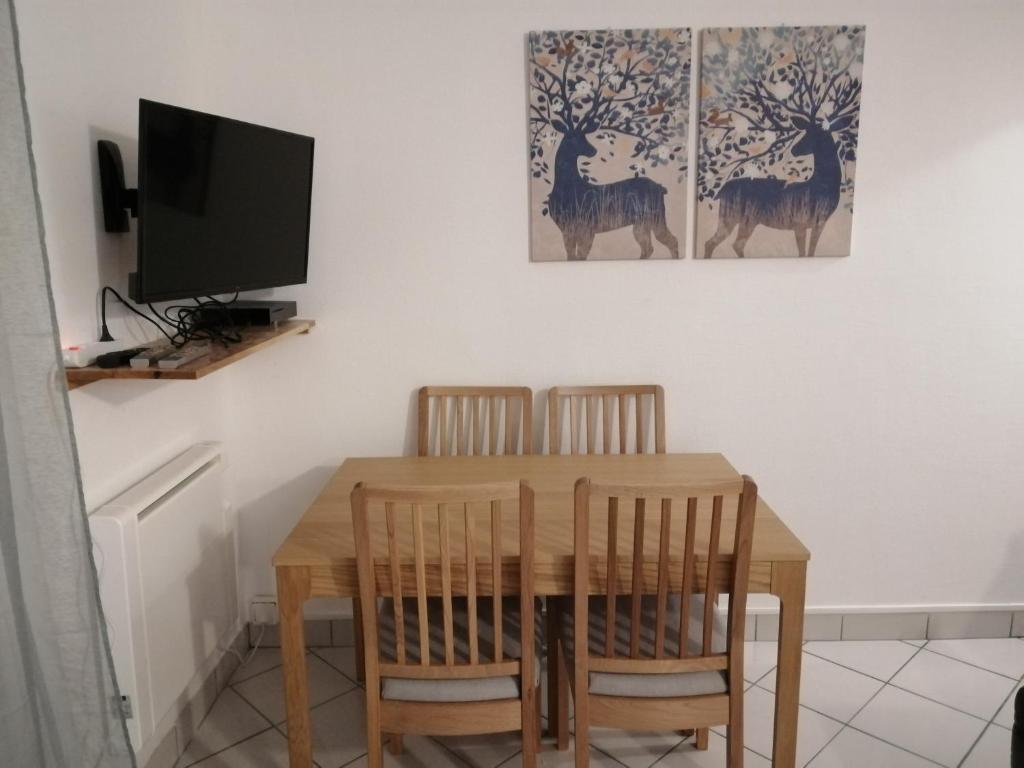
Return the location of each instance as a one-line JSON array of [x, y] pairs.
[[223, 205]]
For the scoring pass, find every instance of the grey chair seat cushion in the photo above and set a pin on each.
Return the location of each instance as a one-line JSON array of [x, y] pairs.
[[647, 685], [463, 689]]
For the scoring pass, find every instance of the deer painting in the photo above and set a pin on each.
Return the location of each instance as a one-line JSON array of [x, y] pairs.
[[627, 90], [801, 206], [582, 209], [793, 111]]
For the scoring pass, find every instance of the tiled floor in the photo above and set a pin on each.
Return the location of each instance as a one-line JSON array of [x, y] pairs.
[[895, 704]]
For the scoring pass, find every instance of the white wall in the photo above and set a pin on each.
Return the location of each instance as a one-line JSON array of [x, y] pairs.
[[875, 399]]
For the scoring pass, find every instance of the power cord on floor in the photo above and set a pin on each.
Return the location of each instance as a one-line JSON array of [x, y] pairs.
[[243, 660]]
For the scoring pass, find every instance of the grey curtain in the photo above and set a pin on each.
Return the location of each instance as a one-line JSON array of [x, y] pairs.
[[57, 689]]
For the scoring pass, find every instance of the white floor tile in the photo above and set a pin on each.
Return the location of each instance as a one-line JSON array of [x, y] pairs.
[[759, 659], [339, 729], [813, 733], [549, 757], [853, 748], [230, 720], [1003, 655], [342, 659], [951, 682], [633, 748], [917, 643], [418, 752], [486, 750], [878, 658], [262, 660], [1005, 716], [687, 756], [268, 750], [830, 689], [991, 751], [919, 725], [266, 691]]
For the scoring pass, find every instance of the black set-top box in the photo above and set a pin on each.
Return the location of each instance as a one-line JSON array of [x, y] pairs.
[[250, 312]]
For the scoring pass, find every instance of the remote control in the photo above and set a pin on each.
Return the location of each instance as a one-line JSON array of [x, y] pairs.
[[117, 359], [151, 355], [182, 356]]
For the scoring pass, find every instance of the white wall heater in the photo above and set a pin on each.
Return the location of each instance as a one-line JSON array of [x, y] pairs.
[[165, 554]]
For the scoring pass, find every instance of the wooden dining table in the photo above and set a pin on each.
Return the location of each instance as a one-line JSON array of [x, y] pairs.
[[318, 558]]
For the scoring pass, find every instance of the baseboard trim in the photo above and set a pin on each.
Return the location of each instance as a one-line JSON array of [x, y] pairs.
[[941, 622], [177, 730]]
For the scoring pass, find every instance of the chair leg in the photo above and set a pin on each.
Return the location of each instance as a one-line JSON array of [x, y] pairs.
[[702, 738], [540, 722], [531, 735], [734, 731], [562, 699], [582, 737], [395, 744], [374, 750], [357, 630]]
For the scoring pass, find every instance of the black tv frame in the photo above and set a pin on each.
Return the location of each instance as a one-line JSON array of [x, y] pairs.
[[135, 287]]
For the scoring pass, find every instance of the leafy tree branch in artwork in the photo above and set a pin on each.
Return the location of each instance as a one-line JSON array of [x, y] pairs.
[[755, 81], [631, 82]]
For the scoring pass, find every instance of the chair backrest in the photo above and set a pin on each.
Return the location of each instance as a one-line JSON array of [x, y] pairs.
[[611, 407], [416, 541], [679, 563], [465, 416]]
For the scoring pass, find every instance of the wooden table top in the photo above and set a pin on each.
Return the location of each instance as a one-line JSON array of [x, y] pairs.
[[323, 536]]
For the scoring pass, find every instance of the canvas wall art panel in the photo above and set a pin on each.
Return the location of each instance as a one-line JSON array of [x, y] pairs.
[[608, 124], [777, 154]]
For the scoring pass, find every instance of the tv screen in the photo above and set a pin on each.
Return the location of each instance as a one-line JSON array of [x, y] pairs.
[[223, 205]]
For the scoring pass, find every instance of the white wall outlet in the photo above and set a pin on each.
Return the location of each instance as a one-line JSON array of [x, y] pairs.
[[263, 610]]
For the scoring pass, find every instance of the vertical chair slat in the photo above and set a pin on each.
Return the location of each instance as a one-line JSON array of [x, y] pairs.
[[496, 575], [622, 423], [478, 440], [640, 441], [442, 423], [663, 554], [581, 588], [591, 423], [510, 433], [607, 432], [638, 576], [659, 419], [446, 584], [423, 431], [574, 424], [689, 571], [396, 581], [460, 427], [530, 708], [612, 576], [709, 593], [421, 583], [474, 629], [493, 434]]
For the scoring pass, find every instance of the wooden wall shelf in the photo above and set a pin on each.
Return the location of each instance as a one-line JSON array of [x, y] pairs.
[[253, 340]]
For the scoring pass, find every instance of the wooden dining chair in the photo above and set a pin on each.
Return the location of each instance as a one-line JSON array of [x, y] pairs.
[[465, 662], [654, 657], [475, 421], [608, 409]]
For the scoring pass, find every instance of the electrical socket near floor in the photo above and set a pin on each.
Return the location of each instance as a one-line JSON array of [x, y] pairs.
[[263, 610]]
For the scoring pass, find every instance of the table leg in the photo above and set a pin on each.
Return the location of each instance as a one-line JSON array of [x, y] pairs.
[[789, 584], [292, 592], [558, 680]]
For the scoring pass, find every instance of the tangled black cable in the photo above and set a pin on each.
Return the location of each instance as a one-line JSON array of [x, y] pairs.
[[206, 320]]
